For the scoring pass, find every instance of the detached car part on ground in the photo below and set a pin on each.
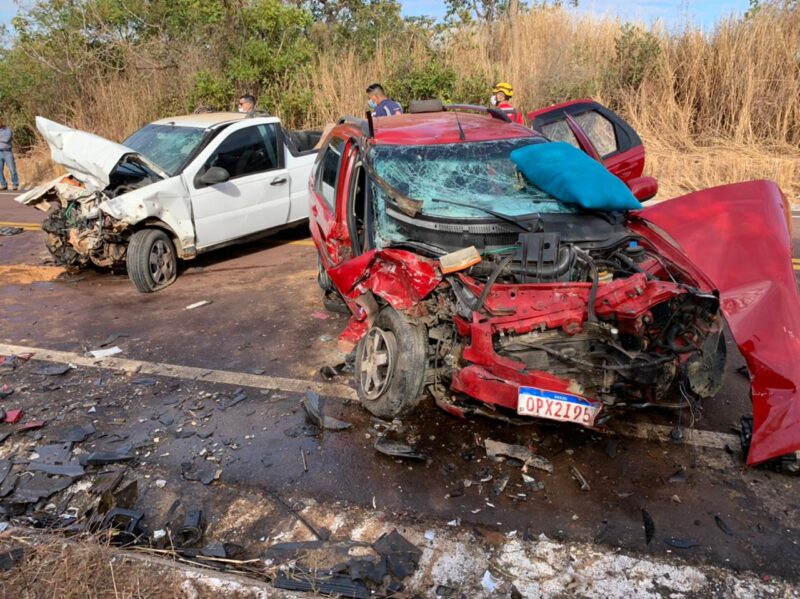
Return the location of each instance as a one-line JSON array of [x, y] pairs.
[[466, 280], [176, 188]]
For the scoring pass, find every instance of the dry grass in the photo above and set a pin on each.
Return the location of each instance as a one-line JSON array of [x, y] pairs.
[[77, 570], [713, 107], [89, 568]]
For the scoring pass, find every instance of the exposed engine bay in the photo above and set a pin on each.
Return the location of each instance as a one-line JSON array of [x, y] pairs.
[[78, 231], [576, 303]]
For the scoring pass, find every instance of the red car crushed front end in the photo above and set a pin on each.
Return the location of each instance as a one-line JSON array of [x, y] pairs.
[[555, 313]]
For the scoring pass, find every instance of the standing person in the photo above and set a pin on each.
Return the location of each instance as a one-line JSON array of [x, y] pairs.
[[380, 104], [501, 94], [7, 156]]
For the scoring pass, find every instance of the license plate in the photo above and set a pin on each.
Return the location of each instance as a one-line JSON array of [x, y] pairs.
[[554, 405]]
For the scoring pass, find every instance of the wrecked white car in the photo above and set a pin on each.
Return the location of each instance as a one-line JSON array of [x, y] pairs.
[[174, 189]]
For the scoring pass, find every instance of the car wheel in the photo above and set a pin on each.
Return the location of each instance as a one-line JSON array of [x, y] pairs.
[[390, 365], [151, 261]]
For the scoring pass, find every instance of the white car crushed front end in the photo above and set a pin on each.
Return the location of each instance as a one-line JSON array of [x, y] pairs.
[[108, 190]]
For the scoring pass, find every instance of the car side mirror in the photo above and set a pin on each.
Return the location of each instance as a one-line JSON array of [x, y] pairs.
[[214, 175]]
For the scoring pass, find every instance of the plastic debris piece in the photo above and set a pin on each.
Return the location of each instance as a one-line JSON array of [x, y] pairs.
[[500, 484], [402, 557], [99, 458], [9, 231], [398, 449], [723, 526], [13, 416], [679, 476], [314, 407], [106, 482], [54, 369], [6, 391], [76, 434], [105, 353], [10, 558], [496, 449], [198, 304], [649, 526], [39, 486], [191, 533], [112, 338], [144, 381], [31, 426], [338, 585], [489, 582], [579, 477], [681, 543], [320, 315]]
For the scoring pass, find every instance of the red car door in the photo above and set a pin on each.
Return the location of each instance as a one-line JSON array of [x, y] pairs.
[[602, 134], [325, 219]]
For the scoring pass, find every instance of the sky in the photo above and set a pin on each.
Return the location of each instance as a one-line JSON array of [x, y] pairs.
[[672, 13]]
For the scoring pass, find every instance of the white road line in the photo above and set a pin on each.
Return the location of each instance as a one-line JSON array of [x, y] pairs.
[[244, 379], [650, 432]]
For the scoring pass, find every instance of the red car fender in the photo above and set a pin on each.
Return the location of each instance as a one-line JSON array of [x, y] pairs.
[[401, 278], [738, 236]]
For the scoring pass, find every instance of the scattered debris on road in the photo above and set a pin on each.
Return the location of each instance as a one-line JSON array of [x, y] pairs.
[[498, 449], [314, 406], [199, 304]]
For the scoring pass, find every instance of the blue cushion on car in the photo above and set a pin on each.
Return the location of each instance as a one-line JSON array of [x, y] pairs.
[[570, 175]]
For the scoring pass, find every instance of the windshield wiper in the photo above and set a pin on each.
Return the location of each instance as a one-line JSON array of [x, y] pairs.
[[500, 215]]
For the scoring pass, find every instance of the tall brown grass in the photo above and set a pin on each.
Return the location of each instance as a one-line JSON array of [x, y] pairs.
[[712, 107]]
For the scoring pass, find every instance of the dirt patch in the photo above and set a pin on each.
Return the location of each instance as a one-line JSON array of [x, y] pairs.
[[25, 274]]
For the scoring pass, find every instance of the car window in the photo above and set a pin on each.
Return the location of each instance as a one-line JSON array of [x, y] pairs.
[[331, 160], [600, 130], [597, 128], [168, 146], [247, 151], [560, 131]]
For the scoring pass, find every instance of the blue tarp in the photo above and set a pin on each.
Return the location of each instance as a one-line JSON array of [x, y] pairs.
[[570, 175]]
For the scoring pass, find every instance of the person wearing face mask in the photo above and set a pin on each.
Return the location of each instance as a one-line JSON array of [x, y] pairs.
[[501, 94], [380, 104], [247, 103]]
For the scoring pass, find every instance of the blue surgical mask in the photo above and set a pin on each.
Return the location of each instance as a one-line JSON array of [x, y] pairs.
[[371, 103]]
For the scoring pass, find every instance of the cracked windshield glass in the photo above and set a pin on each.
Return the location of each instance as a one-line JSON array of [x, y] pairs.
[[479, 174]]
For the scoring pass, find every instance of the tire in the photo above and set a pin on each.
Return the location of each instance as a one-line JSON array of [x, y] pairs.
[[151, 262], [393, 388]]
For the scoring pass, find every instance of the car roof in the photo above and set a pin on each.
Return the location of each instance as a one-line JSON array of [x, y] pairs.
[[443, 127], [202, 120]]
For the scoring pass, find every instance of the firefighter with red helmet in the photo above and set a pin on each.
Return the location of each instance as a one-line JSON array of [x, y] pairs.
[[501, 96]]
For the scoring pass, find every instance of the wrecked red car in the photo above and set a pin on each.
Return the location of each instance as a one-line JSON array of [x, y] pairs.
[[468, 282]]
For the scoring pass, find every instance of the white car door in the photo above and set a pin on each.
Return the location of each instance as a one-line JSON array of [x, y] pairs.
[[256, 196]]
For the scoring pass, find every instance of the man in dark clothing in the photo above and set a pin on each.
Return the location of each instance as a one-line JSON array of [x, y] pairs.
[[380, 104], [7, 157]]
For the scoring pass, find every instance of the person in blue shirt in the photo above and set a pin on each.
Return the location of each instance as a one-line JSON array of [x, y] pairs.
[[7, 156], [380, 104]]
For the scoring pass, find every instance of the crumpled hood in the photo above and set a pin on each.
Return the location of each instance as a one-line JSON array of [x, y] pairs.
[[88, 157], [738, 236]]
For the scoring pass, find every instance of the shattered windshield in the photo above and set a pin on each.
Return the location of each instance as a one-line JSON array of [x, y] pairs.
[[167, 146], [479, 174]]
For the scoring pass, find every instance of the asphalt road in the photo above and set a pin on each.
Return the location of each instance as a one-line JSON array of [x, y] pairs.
[[265, 319]]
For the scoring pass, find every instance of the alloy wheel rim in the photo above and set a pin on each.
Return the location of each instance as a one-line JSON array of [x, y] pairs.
[[377, 362], [162, 266]]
